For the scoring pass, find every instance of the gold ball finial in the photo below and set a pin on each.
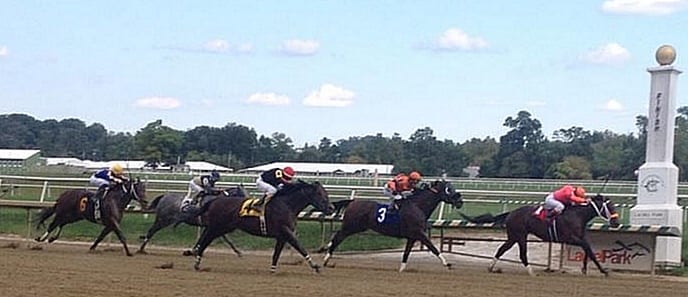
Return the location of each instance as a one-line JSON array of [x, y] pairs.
[[665, 55]]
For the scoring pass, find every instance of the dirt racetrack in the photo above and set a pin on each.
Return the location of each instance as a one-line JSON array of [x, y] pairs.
[[62, 269]]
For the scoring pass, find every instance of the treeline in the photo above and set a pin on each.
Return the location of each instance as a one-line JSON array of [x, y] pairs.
[[523, 152]]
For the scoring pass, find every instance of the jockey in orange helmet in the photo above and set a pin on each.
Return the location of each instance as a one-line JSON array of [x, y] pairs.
[[556, 201], [400, 187], [270, 181]]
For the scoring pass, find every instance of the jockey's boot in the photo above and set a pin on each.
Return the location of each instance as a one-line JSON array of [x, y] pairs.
[[259, 205], [97, 198], [551, 215]]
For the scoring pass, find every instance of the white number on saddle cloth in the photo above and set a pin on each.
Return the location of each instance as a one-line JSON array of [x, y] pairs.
[[382, 214]]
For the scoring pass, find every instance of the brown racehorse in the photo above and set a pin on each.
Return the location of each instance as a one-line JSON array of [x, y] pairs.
[[224, 215], [410, 222], [76, 205], [569, 227]]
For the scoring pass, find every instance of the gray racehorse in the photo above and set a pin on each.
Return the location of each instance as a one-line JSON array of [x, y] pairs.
[[168, 211]]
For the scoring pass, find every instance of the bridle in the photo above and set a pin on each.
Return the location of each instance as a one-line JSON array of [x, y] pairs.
[[603, 211]]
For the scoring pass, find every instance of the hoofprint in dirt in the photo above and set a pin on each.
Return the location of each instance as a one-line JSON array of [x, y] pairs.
[[69, 270]]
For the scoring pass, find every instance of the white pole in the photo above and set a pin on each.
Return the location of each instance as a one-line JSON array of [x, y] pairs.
[[45, 188]]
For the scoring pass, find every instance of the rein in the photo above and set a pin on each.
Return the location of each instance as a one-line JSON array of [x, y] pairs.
[[603, 212]]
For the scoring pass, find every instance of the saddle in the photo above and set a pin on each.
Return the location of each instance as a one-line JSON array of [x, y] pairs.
[[247, 209], [540, 213]]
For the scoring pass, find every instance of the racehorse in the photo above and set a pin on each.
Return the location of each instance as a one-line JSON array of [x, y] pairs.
[[168, 210], [410, 223], [569, 227], [76, 205], [226, 215]]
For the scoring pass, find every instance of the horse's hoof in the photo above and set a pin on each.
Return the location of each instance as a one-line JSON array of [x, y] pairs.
[[187, 253], [142, 237], [197, 267], [142, 252], [240, 255], [50, 240], [38, 239], [316, 268], [449, 266]]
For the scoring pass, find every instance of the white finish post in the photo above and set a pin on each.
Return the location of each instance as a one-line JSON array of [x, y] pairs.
[[658, 177]]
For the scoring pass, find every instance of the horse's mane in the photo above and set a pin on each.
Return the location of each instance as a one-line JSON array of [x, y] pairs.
[[288, 189]]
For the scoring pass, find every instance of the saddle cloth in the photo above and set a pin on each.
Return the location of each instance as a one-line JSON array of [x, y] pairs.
[[247, 211]]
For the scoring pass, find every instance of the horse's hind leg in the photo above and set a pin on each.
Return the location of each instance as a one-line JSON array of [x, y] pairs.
[[500, 252]]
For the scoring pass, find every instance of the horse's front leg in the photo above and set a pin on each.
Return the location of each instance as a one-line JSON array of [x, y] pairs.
[[289, 236], [426, 241], [105, 232], [589, 254], [407, 251], [232, 246], [56, 235], [279, 245], [122, 239]]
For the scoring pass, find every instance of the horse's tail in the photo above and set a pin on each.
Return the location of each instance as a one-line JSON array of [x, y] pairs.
[[340, 205], [486, 218], [43, 215], [153, 204]]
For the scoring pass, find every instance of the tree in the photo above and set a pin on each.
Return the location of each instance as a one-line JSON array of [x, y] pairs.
[[158, 143], [519, 149]]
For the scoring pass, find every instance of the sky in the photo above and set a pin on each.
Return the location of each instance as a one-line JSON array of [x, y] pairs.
[[336, 69]]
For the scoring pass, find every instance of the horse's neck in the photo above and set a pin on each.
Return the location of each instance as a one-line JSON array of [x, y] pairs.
[[120, 197], [294, 201], [585, 212], [426, 201]]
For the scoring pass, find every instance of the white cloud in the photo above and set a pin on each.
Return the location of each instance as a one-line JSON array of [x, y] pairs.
[[4, 51], [158, 103], [330, 96], [217, 45], [613, 105], [644, 7], [243, 48], [608, 54], [299, 47], [455, 39], [268, 99]]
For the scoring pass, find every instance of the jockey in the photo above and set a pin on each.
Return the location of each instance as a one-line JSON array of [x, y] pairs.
[[270, 181], [400, 187], [198, 187], [556, 201], [102, 179]]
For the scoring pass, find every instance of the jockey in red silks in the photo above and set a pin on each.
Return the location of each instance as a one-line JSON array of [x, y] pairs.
[[556, 201]]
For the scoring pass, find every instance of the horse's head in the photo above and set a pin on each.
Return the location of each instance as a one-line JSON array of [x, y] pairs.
[[447, 193], [605, 209], [315, 193], [135, 189]]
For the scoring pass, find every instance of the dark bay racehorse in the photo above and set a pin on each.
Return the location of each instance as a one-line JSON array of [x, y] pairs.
[[167, 209], [224, 216], [76, 205], [569, 227], [411, 223]]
